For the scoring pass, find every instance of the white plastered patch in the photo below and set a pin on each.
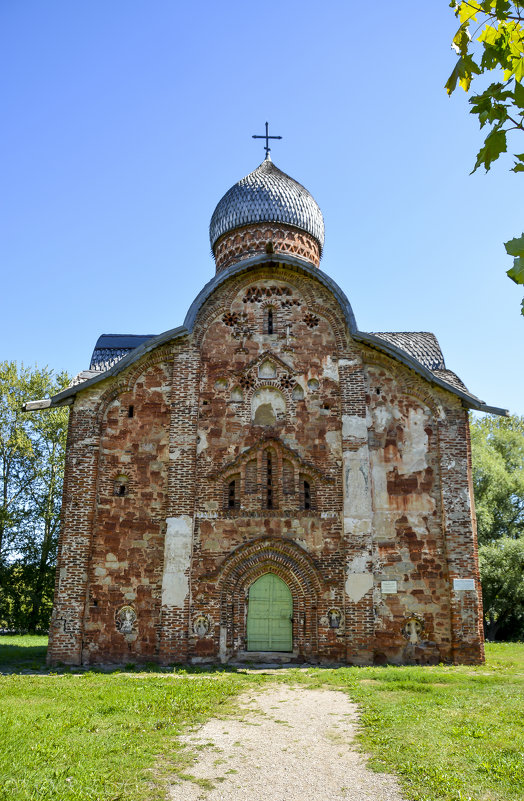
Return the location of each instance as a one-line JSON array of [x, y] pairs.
[[201, 441], [358, 584], [415, 443], [330, 368], [353, 426], [177, 556], [357, 494]]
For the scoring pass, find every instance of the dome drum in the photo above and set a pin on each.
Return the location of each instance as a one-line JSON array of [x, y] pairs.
[[254, 240], [266, 196]]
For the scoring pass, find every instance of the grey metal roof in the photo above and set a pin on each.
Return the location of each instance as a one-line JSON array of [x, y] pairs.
[[85, 375], [422, 345], [110, 348], [452, 378], [267, 195]]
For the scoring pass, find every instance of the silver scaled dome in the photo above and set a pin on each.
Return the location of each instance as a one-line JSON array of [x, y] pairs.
[[267, 195]]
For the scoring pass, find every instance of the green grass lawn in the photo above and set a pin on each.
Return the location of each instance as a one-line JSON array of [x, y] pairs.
[[27, 652], [449, 733], [98, 737]]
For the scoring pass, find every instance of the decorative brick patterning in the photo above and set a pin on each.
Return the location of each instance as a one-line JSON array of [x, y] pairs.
[[270, 238]]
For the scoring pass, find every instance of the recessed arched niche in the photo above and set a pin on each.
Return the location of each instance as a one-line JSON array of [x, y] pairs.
[[267, 369], [298, 392], [237, 395], [268, 405], [121, 485]]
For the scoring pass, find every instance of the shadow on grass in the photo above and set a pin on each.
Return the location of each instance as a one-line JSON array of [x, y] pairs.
[[28, 657], [32, 659], [19, 659], [14, 658]]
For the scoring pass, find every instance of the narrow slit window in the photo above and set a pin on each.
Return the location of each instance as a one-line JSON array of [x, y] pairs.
[[231, 495], [307, 495], [269, 320], [307, 498], [131, 411], [270, 498]]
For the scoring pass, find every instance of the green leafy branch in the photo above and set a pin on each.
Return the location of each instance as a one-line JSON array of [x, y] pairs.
[[491, 37]]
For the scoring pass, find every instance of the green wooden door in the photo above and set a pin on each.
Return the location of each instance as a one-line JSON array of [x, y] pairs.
[[269, 615]]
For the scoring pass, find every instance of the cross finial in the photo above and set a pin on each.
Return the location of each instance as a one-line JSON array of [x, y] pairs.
[[267, 137]]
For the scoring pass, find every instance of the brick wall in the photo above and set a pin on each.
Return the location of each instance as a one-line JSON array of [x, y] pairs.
[[78, 508], [263, 238], [267, 441]]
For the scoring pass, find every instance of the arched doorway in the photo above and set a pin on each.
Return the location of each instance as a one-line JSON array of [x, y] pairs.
[[270, 615]]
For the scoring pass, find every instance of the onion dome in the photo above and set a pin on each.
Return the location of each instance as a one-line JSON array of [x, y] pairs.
[[266, 196]]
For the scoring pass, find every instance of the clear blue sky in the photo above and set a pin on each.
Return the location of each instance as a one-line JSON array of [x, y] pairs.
[[123, 124]]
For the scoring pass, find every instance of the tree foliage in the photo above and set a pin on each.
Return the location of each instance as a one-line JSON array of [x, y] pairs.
[[497, 445], [498, 477], [490, 38], [32, 450], [502, 576]]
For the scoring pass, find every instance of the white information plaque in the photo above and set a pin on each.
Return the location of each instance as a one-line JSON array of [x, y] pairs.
[[388, 587], [463, 584]]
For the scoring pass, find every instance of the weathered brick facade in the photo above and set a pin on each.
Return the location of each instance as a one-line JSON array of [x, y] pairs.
[[267, 435]]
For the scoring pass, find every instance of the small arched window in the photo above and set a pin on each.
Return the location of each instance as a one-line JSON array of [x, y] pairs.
[[306, 493], [237, 396], [269, 320], [232, 493], [121, 486], [269, 486]]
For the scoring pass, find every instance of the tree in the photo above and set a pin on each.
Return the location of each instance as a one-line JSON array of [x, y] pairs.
[[497, 445], [490, 38], [32, 450], [498, 477], [502, 577]]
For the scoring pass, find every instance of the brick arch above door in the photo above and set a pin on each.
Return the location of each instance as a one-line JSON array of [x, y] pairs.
[[289, 562]]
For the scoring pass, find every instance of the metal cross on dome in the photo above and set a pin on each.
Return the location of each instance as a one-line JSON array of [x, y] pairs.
[[267, 137]]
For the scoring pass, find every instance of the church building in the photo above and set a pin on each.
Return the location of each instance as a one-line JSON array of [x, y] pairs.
[[266, 482]]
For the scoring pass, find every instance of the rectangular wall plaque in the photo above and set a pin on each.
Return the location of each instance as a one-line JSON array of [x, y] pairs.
[[388, 587], [463, 584]]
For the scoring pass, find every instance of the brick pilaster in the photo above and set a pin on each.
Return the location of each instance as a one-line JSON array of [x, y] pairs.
[[358, 520], [66, 629], [461, 543], [181, 503]]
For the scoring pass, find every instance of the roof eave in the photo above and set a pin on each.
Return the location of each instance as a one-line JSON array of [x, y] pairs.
[[469, 401], [66, 397]]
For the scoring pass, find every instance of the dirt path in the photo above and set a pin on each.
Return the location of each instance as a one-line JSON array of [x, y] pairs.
[[291, 744]]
